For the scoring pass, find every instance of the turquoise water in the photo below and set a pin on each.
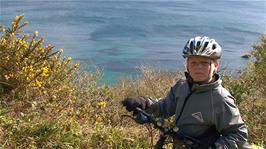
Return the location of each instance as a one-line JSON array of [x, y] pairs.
[[119, 36]]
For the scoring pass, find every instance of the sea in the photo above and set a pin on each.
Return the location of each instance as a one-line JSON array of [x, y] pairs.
[[120, 36]]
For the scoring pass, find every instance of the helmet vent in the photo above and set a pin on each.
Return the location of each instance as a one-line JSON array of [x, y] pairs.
[[205, 45], [191, 46], [198, 45], [214, 46]]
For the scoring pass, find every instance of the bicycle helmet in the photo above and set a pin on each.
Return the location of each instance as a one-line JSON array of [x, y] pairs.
[[202, 46]]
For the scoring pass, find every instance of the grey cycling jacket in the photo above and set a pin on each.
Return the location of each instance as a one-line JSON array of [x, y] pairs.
[[208, 105]]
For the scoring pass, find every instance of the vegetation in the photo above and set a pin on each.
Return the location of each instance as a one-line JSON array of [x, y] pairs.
[[250, 91], [46, 101]]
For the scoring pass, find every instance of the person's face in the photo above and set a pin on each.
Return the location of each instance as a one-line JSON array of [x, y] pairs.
[[201, 69]]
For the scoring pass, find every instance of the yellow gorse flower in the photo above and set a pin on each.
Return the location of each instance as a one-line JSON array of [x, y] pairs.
[[28, 68], [101, 104], [3, 41], [98, 120], [44, 72], [17, 17], [37, 83], [22, 42]]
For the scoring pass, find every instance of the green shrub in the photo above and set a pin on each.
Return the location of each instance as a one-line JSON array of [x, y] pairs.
[[249, 89], [254, 106], [259, 54]]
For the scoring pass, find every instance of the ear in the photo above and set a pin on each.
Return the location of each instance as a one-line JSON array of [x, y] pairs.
[[216, 65]]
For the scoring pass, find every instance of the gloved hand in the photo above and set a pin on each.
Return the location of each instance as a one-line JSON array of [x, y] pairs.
[[141, 118], [131, 103]]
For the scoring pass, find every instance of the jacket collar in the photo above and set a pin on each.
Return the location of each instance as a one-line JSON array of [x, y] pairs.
[[195, 87]]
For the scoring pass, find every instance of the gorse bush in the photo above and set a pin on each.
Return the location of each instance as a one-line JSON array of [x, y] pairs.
[[35, 82], [24, 62], [46, 101]]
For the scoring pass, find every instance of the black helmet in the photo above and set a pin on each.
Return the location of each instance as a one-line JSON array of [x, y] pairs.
[[202, 46]]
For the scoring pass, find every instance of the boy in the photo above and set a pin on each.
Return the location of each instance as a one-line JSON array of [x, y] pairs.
[[199, 102]]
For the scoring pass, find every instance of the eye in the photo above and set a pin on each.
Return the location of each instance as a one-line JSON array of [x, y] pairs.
[[201, 63], [205, 63]]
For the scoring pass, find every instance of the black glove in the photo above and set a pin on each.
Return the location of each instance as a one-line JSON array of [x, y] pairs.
[[141, 118], [131, 103]]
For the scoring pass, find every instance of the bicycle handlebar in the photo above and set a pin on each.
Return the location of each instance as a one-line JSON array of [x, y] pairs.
[[172, 131]]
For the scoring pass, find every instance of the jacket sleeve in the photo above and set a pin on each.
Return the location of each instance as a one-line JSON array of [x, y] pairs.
[[230, 124], [165, 107]]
